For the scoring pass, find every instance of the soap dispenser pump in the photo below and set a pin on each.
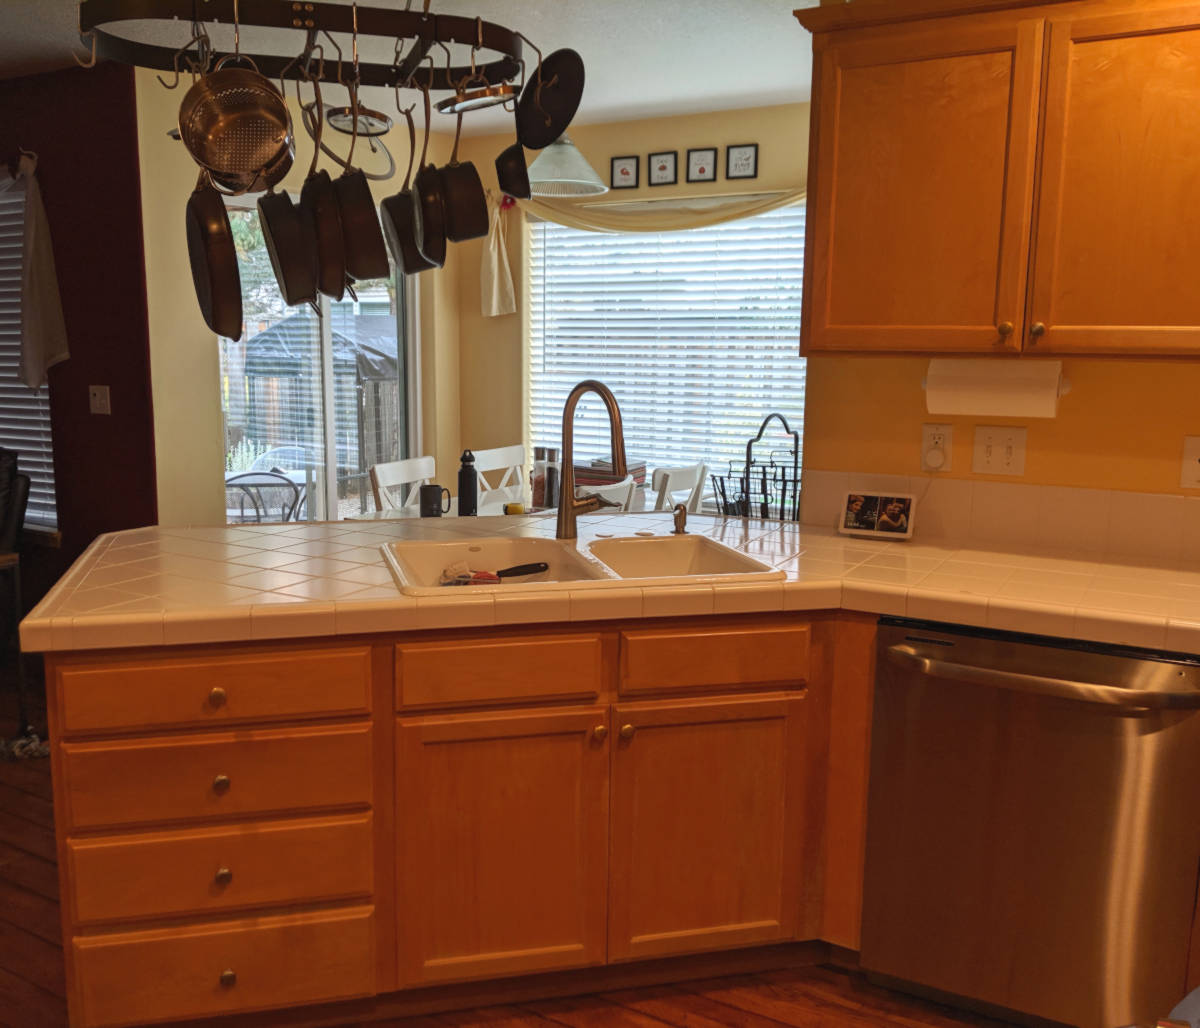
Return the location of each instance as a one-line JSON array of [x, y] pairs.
[[468, 486]]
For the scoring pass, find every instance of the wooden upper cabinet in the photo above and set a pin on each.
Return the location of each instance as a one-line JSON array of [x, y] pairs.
[[1117, 254], [921, 181]]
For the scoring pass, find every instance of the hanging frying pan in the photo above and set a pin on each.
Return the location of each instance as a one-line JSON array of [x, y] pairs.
[[319, 208], [466, 204], [429, 205], [214, 260], [550, 99], [512, 173], [396, 213]]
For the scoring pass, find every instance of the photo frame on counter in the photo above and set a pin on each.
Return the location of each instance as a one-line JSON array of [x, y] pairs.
[[741, 160], [661, 168], [881, 515], [624, 172], [702, 164]]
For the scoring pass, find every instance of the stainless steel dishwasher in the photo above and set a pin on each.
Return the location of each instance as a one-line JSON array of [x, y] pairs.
[[1033, 828]]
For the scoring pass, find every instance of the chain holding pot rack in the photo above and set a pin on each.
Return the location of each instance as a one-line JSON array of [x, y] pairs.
[[97, 17]]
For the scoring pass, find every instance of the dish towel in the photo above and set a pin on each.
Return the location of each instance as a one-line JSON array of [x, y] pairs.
[[495, 276], [43, 331]]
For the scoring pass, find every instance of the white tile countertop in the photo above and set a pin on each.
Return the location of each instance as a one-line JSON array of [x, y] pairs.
[[169, 586]]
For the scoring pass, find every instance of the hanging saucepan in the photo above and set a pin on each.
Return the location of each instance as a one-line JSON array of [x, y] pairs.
[[396, 213], [214, 260], [466, 203], [429, 205], [512, 173], [319, 207], [550, 99]]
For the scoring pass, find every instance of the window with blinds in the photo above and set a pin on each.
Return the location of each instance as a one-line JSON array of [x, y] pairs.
[[24, 412], [695, 332]]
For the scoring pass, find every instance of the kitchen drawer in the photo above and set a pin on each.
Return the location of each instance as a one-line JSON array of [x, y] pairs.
[[104, 696], [463, 674], [183, 778], [136, 977], [668, 660], [203, 870]]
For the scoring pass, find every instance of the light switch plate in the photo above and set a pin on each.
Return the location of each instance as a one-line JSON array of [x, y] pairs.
[[937, 444], [98, 400], [999, 450], [1189, 474]]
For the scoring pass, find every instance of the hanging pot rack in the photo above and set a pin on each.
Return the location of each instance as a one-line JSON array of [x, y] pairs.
[[96, 18]]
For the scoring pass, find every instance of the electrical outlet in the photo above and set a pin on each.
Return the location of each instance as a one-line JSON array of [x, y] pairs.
[[98, 400], [1189, 475], [999, 450], [936, 447]]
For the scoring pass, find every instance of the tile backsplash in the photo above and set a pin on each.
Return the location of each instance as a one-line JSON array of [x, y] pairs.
[[1147, 526]]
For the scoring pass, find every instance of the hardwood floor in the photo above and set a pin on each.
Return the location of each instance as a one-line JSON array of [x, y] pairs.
[[32, 985]]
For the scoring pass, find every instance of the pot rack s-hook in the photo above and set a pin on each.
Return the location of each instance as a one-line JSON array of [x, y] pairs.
[[90, 34]]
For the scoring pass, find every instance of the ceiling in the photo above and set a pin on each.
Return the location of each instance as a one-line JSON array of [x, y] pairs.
[[643, 58]]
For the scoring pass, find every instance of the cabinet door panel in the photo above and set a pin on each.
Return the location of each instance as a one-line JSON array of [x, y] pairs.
[[503, 843], [922, 167], [1118, 230], [706, 825]]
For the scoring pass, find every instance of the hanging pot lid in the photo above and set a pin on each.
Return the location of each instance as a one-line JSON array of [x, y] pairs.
[[370, 123], [477, 99], [550, 99]]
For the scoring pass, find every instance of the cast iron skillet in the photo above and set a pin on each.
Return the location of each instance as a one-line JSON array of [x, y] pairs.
[[214, 260], [512, 173], [396, 213], [319, 208], [550, 99], [366, 253], [429, 206], [466, 203]]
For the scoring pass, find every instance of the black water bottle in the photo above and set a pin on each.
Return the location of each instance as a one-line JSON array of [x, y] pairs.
[[468, 486]]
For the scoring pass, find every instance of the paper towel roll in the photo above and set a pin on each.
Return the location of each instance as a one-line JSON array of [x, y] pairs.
[[997, 388]]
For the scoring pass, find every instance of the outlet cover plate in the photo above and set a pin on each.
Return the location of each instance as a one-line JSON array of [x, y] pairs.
[[1189, 473], [98, 402], [937, 445], [999, 450]]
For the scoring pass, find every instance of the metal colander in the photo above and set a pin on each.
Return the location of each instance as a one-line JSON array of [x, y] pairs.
[[235, 123]]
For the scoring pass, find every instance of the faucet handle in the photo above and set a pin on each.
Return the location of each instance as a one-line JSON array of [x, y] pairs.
[[680, 513]]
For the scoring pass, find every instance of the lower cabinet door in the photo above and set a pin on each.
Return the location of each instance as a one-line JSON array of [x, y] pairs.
[[503, 843], [706, 824]]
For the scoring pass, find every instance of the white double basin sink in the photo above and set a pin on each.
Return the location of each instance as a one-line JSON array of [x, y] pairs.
[[576, 564]]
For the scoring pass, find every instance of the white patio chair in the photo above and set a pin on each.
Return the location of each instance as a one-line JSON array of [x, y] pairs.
[[669, 481], [510, 488], [396, 484]]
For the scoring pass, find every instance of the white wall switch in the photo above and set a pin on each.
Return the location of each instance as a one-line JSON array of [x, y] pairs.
[[1189, 474], [98, 400], [936, 447], [999, 450]]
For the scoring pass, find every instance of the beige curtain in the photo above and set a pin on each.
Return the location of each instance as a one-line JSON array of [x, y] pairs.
[[671, 215]]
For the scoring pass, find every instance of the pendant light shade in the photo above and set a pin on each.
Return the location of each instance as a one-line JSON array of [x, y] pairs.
[[561, 170]]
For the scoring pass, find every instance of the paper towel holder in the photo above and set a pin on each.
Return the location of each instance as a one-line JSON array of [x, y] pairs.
[[994, 388]]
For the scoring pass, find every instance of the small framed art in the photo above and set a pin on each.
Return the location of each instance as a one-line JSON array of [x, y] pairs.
[[741, 161], [702, 165], [660, 169], [882, 515], [624, 174]]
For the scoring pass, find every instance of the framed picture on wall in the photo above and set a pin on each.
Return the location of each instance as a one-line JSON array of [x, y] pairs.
[[660, 168], [702, 164], [624, 174], [741, 161]]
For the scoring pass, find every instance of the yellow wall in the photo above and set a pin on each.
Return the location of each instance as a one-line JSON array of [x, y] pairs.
[[492, 370], [184, 366]]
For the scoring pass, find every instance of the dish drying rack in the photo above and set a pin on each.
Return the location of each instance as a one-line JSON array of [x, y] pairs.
[[763, 488]]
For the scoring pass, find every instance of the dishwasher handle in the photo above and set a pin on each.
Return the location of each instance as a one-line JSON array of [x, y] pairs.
[[1084, 692]]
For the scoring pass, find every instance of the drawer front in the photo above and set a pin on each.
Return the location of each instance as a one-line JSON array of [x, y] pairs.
[[455, 674], [665, 660], [204, 870], [301, 683], [185, 778], [203, 970]]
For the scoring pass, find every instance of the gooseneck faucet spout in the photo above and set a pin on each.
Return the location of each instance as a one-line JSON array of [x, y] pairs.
[[569, 508]]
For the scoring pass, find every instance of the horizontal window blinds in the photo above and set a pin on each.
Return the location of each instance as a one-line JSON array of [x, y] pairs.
[[24, 412], [695, 332]]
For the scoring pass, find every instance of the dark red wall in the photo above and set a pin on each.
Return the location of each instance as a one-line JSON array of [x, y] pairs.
[[83, 126]]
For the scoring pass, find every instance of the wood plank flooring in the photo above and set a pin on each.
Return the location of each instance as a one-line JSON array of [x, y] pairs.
[[32, 986]]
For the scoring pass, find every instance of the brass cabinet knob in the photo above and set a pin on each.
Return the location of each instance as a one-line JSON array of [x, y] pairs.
[[228, 978], [627, 731], [1037, 329], [599, 732], [223, 876], [221, 783], [216, 697], [1005, 328]]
